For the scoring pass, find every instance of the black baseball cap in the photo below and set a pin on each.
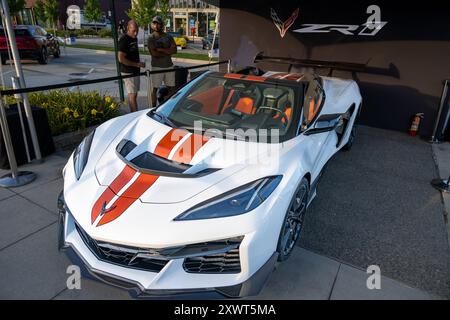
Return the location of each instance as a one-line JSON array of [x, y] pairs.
[[158, 19]]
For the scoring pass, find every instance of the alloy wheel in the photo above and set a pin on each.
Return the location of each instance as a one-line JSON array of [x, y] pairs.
[[294, 220]]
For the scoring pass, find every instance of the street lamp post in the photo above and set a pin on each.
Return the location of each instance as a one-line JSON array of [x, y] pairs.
[[19, 73], [116, 46]]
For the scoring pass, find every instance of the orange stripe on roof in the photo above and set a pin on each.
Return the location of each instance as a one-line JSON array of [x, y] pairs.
[[255, 78], [233, 75]]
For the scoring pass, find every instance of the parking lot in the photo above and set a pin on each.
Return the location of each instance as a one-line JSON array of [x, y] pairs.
[[82, 64]]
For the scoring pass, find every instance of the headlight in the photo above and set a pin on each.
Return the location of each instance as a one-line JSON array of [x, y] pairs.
[[234, 202], [81, 154]]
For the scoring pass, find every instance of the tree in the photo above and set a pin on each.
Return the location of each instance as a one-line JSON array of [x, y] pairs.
[[39, 12], [92, 11], [142, 11], [164, 9], [52, 13], [15, 6]]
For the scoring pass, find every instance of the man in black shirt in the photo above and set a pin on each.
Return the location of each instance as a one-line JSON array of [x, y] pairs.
[[130, 63]]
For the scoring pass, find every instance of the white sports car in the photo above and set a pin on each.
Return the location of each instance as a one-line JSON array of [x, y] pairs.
[[210, 189]]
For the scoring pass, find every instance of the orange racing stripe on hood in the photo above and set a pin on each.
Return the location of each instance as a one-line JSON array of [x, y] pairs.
[[143, 182], [118, 183], [168, 142], [184, 153]]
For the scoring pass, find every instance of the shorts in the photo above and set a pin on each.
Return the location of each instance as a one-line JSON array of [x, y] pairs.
[[168, 78], [132, 84]]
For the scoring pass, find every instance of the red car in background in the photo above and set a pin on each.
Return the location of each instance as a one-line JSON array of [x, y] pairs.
[[33, 43]]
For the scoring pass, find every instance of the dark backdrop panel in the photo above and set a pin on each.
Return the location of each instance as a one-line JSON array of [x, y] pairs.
[[416, 39]]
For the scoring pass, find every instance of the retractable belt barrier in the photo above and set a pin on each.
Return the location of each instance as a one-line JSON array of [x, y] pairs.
[[108, 79], [18, 178]]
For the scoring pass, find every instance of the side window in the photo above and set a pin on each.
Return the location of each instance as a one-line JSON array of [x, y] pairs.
[[313, 100], [42, 31], [38, 32]]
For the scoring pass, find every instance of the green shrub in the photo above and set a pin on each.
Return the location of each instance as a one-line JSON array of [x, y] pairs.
[[83, 32], [105, 33], [70, 111], [59, 33]]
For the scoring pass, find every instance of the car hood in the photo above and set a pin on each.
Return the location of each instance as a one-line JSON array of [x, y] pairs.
[[157, 164]]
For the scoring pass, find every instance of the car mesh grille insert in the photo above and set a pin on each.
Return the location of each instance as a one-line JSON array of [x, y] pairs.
[[119, 255], [227, 262]]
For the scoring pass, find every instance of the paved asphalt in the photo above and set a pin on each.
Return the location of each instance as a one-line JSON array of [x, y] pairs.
[[375, 205], [78, 64]]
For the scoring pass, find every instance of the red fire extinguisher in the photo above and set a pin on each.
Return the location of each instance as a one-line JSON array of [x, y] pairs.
[[415, 123]]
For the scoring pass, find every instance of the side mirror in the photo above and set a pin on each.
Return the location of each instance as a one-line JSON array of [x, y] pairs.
[[325, 123], [162, 94]]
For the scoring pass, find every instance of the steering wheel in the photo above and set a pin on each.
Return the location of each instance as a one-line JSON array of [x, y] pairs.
[[282, 113]]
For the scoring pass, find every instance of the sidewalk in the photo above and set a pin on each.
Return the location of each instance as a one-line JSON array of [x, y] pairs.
[[32, 268]]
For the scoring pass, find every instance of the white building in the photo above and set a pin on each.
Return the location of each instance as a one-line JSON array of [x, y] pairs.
[[192, 17]]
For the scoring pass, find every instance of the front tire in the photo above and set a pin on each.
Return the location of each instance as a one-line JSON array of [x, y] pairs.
[[57, 52], [293, 221], [351, 139], [43, 56]]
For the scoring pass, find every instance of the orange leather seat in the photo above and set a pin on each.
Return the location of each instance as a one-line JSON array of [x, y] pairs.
[[245, 105], [287, 112]]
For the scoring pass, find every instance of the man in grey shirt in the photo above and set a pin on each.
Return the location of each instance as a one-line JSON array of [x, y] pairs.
[[161, 47]]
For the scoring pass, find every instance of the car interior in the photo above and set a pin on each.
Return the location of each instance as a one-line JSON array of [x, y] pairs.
[[232, 103]]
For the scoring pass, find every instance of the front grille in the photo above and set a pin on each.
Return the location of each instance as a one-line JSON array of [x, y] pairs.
[[120, 255], [227, 262]]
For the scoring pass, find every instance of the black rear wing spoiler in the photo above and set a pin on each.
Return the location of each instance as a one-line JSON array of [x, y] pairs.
[[391, 71]]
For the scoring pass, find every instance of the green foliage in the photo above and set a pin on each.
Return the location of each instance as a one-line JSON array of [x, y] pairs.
[[164, 9], [92, 10], [105, 33], [142, 12], [59, 33], [39, 12], [70, 111], [52, 12], [84, 32], [15, 6]]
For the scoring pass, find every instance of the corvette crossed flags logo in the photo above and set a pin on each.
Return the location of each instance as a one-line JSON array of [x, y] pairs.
[[283, 26]]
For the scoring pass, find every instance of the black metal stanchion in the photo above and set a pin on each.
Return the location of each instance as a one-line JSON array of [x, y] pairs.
[[436, 136], [149, 88], [441, 184], [15, 178], [116, 47]]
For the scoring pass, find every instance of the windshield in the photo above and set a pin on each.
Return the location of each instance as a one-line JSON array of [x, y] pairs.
[[223, 103]]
